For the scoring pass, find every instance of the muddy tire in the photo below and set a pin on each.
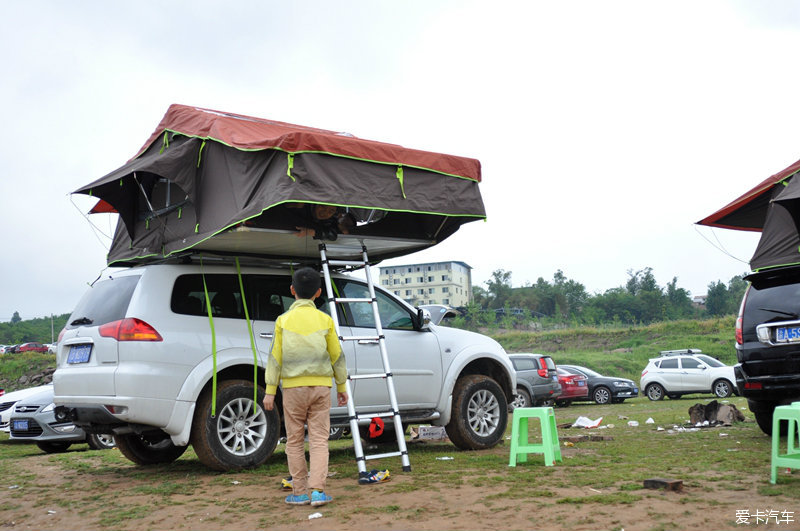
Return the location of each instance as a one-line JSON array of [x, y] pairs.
[[237, 437], [148, 448], [479, 413]]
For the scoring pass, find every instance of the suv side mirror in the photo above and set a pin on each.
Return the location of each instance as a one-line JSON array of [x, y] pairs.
[[423, 318]]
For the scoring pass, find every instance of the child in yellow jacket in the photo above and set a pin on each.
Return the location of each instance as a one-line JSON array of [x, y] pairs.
[[305, 357]]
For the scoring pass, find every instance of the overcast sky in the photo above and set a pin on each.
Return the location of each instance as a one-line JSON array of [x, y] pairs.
[[605, 130]]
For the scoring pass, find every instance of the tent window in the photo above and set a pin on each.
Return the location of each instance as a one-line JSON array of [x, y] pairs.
[[159, 196]]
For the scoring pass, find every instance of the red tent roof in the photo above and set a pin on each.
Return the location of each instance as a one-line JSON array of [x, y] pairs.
[[250, 133], [748, 211]]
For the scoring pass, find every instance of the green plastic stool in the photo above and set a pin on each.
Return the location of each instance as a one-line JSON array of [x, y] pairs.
[[790, 459], [520, 447]]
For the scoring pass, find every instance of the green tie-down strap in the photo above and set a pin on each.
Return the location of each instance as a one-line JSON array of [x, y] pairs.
[[213, 344], [399, 175], [250, 334], [290, 164], [164, 143]]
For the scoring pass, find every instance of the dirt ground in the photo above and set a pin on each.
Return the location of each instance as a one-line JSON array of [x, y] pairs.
[[241, 501]]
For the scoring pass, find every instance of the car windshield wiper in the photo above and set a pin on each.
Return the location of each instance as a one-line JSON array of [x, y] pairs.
[[81, 321], [787, 314]]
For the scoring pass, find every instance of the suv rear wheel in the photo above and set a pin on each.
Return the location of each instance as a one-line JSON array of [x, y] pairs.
[[100, 441], [237, 437], [147, 449], [479, 413], [521, 398], [654, 391], [722, 388]]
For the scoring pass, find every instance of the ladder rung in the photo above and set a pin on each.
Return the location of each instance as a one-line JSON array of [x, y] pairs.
[[347, 262], [360, 338], [381, 456], [370, 376], [351, 299], [366, 416]]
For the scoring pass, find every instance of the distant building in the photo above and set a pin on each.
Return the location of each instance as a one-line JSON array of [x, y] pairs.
[[430, 283], [699, 301]]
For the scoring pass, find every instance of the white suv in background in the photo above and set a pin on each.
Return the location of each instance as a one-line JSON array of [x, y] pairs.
[[682, 372], [135, 360]]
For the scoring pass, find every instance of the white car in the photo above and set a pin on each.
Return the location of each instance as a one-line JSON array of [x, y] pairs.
[[136, 358], [8, 400], [677, 373]]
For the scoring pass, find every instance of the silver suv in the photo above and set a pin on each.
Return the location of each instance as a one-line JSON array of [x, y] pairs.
[[681, 372], [136, 360]]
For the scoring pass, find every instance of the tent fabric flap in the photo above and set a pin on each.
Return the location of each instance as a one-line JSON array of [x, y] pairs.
[[207, 181]]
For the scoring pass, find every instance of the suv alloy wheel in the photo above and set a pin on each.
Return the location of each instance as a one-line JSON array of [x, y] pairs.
[[237, 437], [479, 413]]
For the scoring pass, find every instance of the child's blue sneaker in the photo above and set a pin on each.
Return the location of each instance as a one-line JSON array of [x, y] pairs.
[[319, 498], [293, 499]]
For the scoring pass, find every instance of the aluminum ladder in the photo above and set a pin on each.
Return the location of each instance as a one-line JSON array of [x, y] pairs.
[[354, 417]]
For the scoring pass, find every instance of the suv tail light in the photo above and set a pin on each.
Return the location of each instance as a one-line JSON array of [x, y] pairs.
[[130, 329], [543, 372], [739, 336]]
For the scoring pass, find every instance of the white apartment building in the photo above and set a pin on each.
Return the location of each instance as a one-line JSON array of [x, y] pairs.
[[432, 283]]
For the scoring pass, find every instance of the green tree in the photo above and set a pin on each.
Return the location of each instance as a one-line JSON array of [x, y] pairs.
[[15, 318], [499, 288], [717, 299]]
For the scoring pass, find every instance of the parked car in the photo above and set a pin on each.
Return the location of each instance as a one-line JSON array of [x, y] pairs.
[[10, 349], [136, 357], [2, 349], [31, 347], [33, 420], [573, 387], [441, 314], [681, 372], [768, 342], [537, 380], [605, 389], [7, 402]]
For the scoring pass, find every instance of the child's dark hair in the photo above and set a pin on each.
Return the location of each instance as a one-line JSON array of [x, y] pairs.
[[306, 282]]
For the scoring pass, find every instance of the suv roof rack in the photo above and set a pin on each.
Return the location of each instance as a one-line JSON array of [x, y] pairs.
[[680, 352]]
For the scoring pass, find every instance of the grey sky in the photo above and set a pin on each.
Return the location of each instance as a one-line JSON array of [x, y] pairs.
[[605, 129]]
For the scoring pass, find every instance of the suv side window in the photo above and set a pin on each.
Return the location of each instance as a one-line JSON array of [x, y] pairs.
[[690, 363], [669, 363], [393, 314]]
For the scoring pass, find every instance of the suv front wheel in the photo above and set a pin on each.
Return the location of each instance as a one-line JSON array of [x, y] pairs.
[[722, 388], [238, 436], [479, 413]]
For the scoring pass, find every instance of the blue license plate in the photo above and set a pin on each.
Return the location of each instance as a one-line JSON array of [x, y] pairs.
[[79, 353], [787, 334], [581, 384], [21, 425], [636, 390]]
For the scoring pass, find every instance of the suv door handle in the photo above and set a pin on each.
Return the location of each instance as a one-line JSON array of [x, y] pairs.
[[266, 335]]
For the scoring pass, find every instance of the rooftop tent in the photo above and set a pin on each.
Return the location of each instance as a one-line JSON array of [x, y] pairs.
[[773, 208], [214, 182]]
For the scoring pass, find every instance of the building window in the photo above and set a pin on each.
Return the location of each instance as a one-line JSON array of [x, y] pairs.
[[431, 290], [430, 279], [445, 278], [409, 270], [420, 279], [397, 281], [408, 281], [445, 290], [446, 301], [385, 282], [408, 293], [397, 293], [420, 291]]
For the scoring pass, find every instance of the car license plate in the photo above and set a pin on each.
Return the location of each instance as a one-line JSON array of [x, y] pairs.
[[636, 390], [787, 334], [21, 425], [79, 353], [581, 384]]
